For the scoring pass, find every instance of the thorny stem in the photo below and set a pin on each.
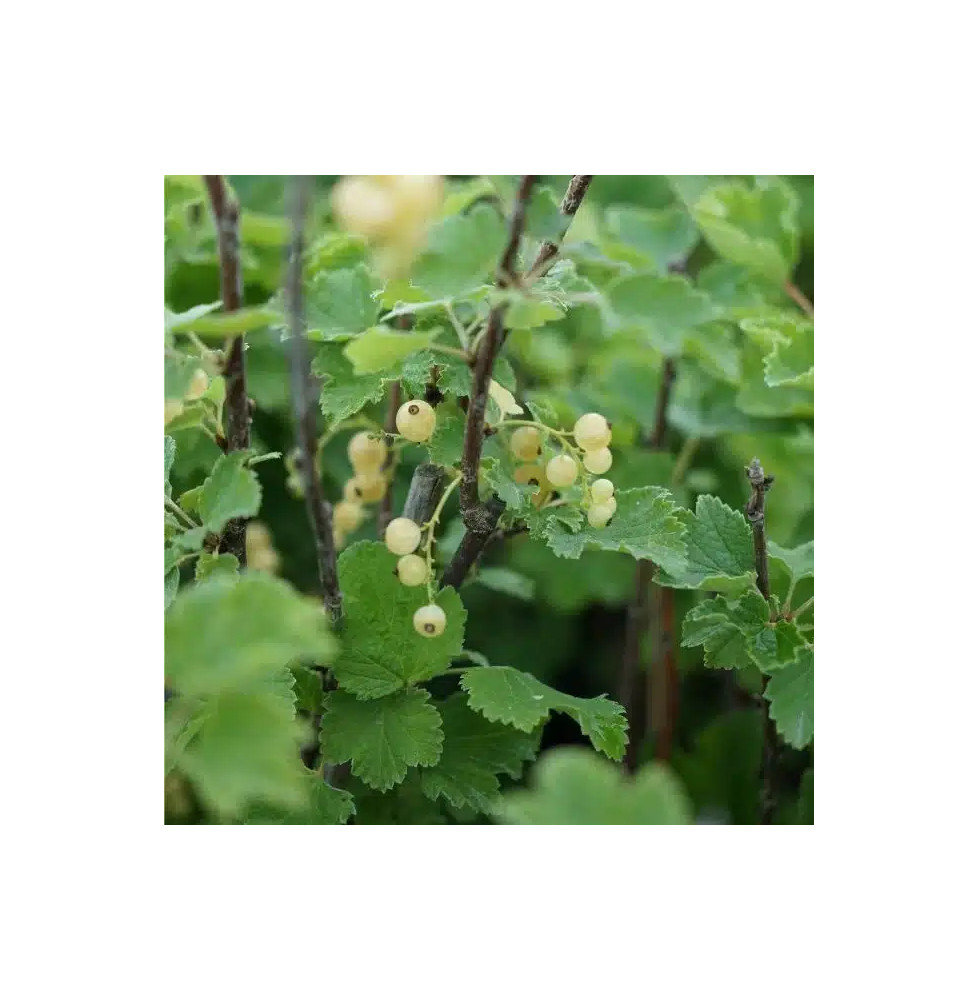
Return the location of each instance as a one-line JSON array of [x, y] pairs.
[[760, 484], [319, 511], [238, 416], [430, 527]]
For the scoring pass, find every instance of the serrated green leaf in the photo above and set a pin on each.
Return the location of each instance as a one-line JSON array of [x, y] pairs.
[[169, 453], [381, 650], [335, 251], [190, 541], [172, 320], [719, 549], [646, 525], [226, 632], [715, 347], [231, 490], [340, 302], [544, 220], [759, 399], [475, 751], [791, 693], [344, 393], [665, 308], [503, 694], [445, 444], [171, 581], [189, 500], [790, 341], [461, 255], [308, 687], [662, 237], [525, 313], [215, 564], [799, 561], [326, 806], [570, 786], [380, 348], [381, 738], [757, 229], [178, 370], [219, 325]]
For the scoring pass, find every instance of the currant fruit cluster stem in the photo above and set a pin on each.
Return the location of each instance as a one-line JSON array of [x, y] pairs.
[[430, 527]]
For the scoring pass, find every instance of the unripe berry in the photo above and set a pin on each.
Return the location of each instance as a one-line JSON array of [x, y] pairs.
[[429, 621], [597, 461], [412, 570], [599, 515], [415, 420], [364, 207], [602, 490], [198, 385], [561, 470], [172, 408], [366, 452], [371, 486], [402, 536], [525, 443], [592, 432], [347, 516]]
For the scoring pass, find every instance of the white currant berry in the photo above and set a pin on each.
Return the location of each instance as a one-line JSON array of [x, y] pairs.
[[364, 207], [402, 536], [534, 475], [339, 537], [599, 514], [412, 570], [592, 431], [561, 470], [415, 420], [612, 503], [366, 452], [602, 490], [418, 196], [525, 443], [198, 385], [371, 486], [348, 516], [429, 621], [597, 461], [351, 491]]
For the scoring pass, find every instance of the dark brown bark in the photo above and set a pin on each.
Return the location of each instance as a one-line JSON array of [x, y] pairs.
[[237, 412], [319, 511], [423, 493], [572, 202]]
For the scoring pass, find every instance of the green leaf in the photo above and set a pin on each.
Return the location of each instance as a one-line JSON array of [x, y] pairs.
[[475, 751], [791, 692], [326, 806], [345, 393], [226, 632], [665, 308], [791, 342], [570, 786], [759, 399], [170, 584], [340, 302], [379, 348], [190, 540], [231, 490], [757, 229], [169, 453], [462, 253], [663, 237], [715, 347], [382, 738], [172, 320], [646, 525], [381, 650], [335, 251], [245, 750], [445, 444], [262, 230], [217, 326], [308, 688], [215, 564], [189, 500], [736, 634], [799, 561], [177, 372], [504, 580], [503, 694], [526, 313], [719, 549], [544, 220]]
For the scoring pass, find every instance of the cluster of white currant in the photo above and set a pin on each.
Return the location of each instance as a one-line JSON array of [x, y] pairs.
[[368, 454], [392, 212], [402, 537], [592, 435]]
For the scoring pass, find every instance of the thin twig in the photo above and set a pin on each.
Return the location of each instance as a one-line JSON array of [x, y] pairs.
[[759, 485], [568, 208], [319, 511], [800, 298], [237, 412]]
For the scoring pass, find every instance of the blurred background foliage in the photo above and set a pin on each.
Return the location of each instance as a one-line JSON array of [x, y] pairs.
[[564, 621]]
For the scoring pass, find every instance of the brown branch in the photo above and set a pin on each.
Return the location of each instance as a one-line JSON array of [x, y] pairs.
[[424, 492], [568, 208], [319, 511], [759, 485], [237, 411], [799, 298]]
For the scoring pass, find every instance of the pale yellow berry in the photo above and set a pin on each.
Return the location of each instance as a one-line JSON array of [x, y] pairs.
[[429, 621], [602, 490], [351, 492], [599, 514], [366, 452], [561, 470], [371, 486], [533, 475], [259, 550], [612, 503], [339, 537], [198, 385], [364, 207], [172, 408], [415, 420], [402, 536], [597, 461], [266, 560], [347, 516], [525, 443], [417, 196], [412, 570], [592, 432]]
